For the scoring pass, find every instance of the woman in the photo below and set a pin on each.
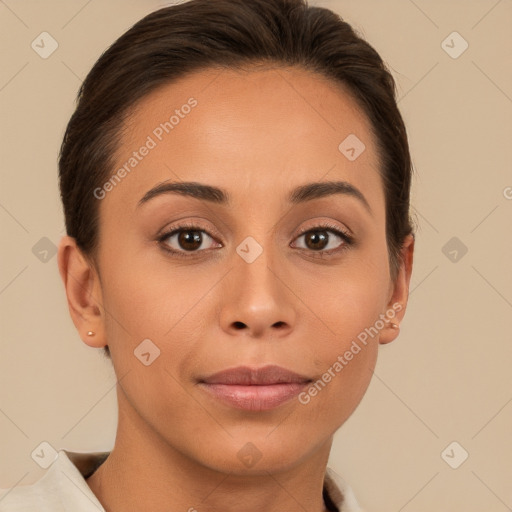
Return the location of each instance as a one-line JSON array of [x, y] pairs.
[[235, 182]]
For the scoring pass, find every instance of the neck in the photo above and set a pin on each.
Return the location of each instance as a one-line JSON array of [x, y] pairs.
[[143, 468]]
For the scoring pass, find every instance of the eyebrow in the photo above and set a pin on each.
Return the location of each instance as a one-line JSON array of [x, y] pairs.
[[300, 194]]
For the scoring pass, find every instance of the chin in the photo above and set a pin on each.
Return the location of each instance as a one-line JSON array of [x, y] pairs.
[[260, 453]]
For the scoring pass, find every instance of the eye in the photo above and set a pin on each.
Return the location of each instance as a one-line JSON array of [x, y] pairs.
[[186, 239], [324, 239]]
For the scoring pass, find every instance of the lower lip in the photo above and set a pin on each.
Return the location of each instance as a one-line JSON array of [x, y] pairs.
[[255, 398]]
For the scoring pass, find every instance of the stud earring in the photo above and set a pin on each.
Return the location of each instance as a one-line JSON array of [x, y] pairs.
[[90, 333], [394, 326]]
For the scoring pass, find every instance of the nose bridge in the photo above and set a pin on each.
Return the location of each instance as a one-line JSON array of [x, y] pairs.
[[255, 268], [255, 297]]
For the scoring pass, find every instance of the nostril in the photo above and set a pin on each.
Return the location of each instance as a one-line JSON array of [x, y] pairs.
[[239, 325], [279, 324]]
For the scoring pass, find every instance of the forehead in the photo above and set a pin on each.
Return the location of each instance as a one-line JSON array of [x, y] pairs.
[[257, 130]]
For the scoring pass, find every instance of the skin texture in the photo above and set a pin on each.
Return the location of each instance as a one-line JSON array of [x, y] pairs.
[[257, 134]]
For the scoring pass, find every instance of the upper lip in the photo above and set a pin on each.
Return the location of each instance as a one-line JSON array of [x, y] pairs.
[[246, 376]]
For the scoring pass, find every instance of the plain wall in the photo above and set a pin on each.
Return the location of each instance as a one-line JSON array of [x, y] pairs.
[[446, 378]]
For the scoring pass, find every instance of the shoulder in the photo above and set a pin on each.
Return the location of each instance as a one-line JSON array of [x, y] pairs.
[[61, 488]]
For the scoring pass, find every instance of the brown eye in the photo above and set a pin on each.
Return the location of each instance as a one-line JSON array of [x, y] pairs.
[[321, 240], [190, 240], [317, 240], [187, 239]]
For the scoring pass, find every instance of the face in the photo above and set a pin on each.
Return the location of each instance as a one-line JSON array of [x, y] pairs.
[[264, 270]]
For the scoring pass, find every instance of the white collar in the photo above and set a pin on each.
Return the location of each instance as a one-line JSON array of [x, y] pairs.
[[65, 483]]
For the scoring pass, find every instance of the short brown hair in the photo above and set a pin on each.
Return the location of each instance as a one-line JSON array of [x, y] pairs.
[[173, 41]]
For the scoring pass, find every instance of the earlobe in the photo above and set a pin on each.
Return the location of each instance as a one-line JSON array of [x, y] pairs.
[[400, 293], [83, 292]]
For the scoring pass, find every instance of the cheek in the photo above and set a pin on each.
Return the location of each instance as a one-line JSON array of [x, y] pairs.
[[341, 302], [344, 316], [335, 394], [346, 353], [345, 346], [155, 300]]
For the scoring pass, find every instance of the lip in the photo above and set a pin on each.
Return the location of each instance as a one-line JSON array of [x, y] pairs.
[[254, 389]]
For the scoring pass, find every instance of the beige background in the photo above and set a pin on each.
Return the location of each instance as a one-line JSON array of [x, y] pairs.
[[446, 378]]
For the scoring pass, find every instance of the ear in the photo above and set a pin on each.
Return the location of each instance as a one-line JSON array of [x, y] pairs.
[[83, 292], [399, 293]]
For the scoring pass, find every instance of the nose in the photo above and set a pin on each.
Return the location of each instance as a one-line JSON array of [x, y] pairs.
[[257, 300]]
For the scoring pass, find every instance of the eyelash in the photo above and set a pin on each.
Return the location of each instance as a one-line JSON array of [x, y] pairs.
[[348, 240]]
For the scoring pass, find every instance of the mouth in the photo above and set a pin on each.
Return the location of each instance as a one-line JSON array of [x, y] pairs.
[[254, 389]]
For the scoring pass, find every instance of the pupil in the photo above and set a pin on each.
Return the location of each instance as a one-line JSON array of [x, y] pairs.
[[315, 238], [190, 240]]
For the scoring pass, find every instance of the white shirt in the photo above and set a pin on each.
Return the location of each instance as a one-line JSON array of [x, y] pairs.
[[63, 488]]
